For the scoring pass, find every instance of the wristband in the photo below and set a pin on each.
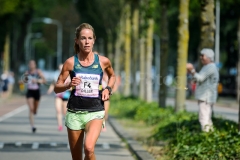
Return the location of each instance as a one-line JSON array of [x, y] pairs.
[[109, 90]]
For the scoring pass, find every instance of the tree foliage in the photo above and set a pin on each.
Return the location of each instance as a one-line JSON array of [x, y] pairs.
[[15, 16], [104, 15]]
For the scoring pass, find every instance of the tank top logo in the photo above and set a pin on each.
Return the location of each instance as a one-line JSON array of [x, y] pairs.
[[95, 66], [89, 86], [78, 66]]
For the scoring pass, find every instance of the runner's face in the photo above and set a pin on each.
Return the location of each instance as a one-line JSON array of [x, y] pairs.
[[86, 40], [32, 65]]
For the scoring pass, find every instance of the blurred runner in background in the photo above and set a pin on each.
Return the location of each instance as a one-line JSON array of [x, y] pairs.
[[61, 100], [11, 82], [33, 77], [4, 84]]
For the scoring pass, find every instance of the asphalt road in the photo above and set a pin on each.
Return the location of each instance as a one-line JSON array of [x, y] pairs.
[[18, 142]]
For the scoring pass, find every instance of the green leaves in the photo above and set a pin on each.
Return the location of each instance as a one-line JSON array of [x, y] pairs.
[[8, 7], [181, 130]]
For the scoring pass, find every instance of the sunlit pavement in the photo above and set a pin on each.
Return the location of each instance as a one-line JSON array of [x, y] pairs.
[[225, 107], [18, 142], [220, 111]]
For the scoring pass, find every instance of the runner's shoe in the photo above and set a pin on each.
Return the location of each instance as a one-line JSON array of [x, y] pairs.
[[104, 129], [60, 128]]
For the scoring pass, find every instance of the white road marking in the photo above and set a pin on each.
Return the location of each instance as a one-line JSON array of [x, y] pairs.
[[16, 111], [53, 144], [105, 146], [1, 145], [18, 144], [12, 113], [35, 145]]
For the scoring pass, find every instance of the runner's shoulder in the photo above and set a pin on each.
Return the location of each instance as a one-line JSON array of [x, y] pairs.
[[104, 59], [68, 64]]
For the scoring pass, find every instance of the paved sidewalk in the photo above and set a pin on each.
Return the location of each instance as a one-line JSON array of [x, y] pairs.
[[220, 110], [224, 102]]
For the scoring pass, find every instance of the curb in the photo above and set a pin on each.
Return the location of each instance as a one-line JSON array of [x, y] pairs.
[[134, 146]]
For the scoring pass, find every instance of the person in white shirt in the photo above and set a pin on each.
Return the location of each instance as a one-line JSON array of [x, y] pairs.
[[206, 89], [11, 81]]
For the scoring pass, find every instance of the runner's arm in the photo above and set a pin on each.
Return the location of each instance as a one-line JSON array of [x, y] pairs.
[[42, 78], [111, 76], [60, 86], [107, 67]]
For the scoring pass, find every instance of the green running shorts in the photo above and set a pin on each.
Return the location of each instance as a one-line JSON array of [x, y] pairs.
[[78, 120]]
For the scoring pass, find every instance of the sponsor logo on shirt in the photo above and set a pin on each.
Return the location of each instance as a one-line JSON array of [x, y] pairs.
[[95, 66], [78, 66], [92, 77]]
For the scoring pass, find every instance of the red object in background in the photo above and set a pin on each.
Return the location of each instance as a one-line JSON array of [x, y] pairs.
[[193, 87]]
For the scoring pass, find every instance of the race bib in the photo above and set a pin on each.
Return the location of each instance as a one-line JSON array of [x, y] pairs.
[[89, 86], [31, 85]]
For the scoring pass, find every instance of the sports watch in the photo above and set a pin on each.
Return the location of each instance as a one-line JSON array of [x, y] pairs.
[[109, 90]]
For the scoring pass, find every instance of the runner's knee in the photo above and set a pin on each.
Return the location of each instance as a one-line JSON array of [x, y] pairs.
[[89, 150]]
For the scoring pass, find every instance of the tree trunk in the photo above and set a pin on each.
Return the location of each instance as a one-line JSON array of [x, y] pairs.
[[127, 47], [149, 48], [208, 24], [118, 45], [142, 50], [142, 69], [238, 78], [117, 60], [182, 55], [164, 55], [135, 37], [117, 55], [109, 45], [6, 53]]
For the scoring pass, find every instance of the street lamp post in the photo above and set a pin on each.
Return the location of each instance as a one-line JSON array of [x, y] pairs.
[[157, 62], [217, 37], [27, 44], [36, 36], [59, 36], [32, 48]]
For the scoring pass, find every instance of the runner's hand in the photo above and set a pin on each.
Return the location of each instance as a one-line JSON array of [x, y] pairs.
[[75, 81], [105, 95]]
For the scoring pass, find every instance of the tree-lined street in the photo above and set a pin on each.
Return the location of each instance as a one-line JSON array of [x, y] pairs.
[[154, 46]]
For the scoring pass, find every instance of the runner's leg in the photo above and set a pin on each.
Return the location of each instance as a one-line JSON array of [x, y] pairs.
[[75, 138], [58, 106], [30, 102], [64, 107], [106, 108], [36, 103], [93, 129]]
